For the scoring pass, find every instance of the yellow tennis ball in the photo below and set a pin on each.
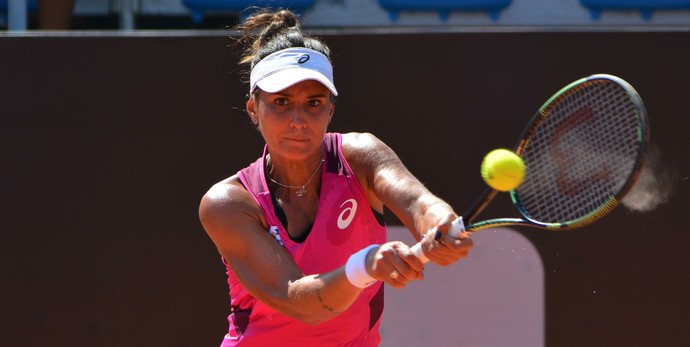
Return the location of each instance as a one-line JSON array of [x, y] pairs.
[[503, 170]]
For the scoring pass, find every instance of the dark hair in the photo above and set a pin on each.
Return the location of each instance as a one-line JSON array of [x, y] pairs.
[[266, 32]]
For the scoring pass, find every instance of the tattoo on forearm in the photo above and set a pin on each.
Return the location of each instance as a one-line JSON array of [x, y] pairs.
[[323, 304]]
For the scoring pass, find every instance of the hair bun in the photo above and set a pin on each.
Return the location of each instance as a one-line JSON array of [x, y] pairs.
[[266, 31]]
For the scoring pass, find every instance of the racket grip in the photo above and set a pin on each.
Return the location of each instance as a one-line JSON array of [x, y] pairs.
[[417, 251], [456, 228]]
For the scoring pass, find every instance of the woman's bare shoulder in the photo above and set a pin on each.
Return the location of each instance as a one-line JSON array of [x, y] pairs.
[[360, 141], [227, 201]]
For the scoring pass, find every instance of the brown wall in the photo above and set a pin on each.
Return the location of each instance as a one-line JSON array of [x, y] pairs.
[[107, 144]]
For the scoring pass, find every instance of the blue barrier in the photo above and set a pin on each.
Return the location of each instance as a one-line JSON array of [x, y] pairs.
[[444, 7], [646, 7], [32, 6], [200, 7]]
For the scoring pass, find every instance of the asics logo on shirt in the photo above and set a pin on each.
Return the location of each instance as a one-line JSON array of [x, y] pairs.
[[348, 214]]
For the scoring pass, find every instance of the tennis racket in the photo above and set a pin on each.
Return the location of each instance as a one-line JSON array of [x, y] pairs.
[[584, 150]]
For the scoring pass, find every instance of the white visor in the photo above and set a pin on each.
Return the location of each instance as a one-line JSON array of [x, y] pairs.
[[290, 66]]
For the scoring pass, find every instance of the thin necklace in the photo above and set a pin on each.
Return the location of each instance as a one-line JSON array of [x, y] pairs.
[[303, 188]]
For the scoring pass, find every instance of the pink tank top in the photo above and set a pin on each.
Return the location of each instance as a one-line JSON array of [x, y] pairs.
[[344, 224]]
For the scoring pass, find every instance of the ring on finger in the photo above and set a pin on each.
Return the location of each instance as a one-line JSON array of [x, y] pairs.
[[394, 274]]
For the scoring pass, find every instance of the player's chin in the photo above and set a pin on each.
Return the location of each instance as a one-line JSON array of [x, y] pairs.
[[300, 150]]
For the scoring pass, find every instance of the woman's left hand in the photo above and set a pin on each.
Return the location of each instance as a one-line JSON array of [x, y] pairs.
[[394, 263]]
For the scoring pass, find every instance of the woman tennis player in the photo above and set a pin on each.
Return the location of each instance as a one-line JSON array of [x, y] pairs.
[[301, 229]]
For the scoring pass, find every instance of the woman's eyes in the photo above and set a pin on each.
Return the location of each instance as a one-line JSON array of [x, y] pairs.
[[314, 103], [286, 102]]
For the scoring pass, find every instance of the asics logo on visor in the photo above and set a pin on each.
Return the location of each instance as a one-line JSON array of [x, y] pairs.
[[303, 59]]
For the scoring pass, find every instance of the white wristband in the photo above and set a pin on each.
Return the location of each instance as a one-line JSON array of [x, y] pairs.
[[355, 268]]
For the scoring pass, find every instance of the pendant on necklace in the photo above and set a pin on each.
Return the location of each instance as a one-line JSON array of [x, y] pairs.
[[301, 192], [302, 189]]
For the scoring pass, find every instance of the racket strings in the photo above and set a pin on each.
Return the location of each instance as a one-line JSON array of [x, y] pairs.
[[581, 154]]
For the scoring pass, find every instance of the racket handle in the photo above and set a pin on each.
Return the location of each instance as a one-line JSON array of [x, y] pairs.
[[456, 228]]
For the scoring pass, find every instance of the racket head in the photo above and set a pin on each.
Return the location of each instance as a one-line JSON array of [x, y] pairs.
[[583, 150]]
